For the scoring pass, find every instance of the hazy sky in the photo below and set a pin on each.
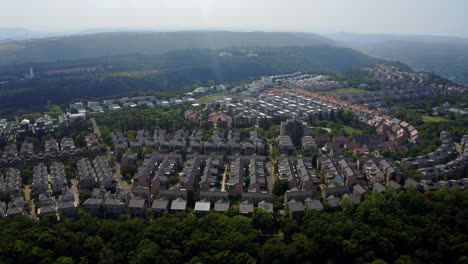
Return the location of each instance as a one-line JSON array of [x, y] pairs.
[[435, 17]]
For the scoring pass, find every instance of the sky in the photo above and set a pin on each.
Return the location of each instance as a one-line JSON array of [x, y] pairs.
[[422, 17]]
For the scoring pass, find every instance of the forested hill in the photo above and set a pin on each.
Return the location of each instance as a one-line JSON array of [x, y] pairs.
[[445, 56], [449, 60], [148, 43], [167, 72]]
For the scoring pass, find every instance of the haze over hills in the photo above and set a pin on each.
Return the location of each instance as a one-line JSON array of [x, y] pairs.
[[148, 43], [446, 56], [8, 34]]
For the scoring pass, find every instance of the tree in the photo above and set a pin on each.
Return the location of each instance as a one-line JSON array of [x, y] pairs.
[[84, 195], [262, 220], [280, 187]]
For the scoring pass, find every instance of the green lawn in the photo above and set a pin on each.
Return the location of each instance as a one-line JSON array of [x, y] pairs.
[[353, 131], [433, 119], [208, 98], [349, 90]]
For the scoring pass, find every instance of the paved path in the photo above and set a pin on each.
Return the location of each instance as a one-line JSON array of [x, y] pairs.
[[95, 127], [27, 197], [74, 189], [223, 182], [271, 176], [122, 184]]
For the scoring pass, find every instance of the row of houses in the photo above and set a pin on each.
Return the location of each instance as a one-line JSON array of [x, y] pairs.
[[98, 173], [193, 141], [246, 173], [443, 154], [52, 150], [45, 183], [443, 166], [11, 183], [80, 108], [174, 200]]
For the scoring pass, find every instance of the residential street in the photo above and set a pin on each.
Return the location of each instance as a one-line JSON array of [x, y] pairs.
[[74, 189], [27, 197], [122, 184]]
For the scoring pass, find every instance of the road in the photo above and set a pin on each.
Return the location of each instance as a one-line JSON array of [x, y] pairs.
[[122, 184], [27, 197], [223, 182], [95, 128], [271, 176], [74, 189]]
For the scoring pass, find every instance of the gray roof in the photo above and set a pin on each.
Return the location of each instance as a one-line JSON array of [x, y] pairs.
[[221, 206], [313, 204], [378, 187], [93, 201], [136, 203], [358, 188], [266, 206], [202, 206], [394, 185], [179, 204], [66, 204], [410, 183], [332, 201], [295, 206], [160, 204], [246, 207]]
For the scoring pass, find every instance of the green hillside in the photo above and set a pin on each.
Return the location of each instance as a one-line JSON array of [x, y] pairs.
[[169, 72], [148, 43]]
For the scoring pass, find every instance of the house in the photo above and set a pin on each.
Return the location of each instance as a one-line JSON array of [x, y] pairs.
[[137, 206], [336, 191], [15, 207], [113, 207], [202, 208], [67, 208], [308, 144], [50, 208], [267, 206], [160, 206], [257, 175], [359, 191], [214, 196], [287, 172], [313, 204], [221, 205], [298, 195], [378, 187], [178, 205], [410, 183], [3, 209], [246, 207], [256, 197], [394, 185], [236, 178], [296, 208], [332, 201], [93, 206]]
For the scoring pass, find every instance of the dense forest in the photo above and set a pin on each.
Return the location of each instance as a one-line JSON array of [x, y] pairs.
[[392, 227], [168, 73]]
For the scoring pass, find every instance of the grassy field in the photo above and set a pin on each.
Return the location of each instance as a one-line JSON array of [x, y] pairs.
[[352, 131], [208, 98], [433, 119], [349, 90]]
